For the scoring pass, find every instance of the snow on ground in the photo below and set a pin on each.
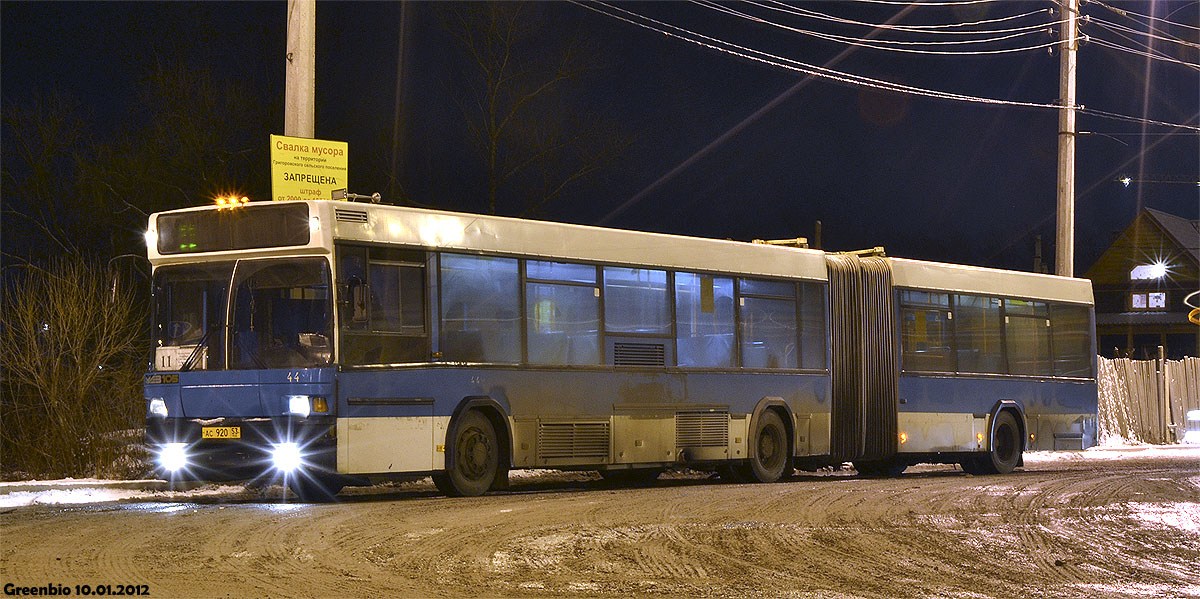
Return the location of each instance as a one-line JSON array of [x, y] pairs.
[[1114, 452], [71, 493], [92, 490]]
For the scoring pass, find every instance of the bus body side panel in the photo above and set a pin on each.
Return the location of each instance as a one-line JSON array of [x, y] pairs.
[[947, 413], [396, 420]]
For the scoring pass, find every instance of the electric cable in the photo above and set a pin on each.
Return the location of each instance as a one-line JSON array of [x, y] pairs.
[[1108, 44], [1110, 25], [1126, 13], [859, 42], [923, 29], [849, 78]]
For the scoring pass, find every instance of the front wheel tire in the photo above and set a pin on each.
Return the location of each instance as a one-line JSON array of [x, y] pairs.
[[314, 489], [474, 458]]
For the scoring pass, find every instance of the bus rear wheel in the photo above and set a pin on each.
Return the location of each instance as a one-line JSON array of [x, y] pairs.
[[474, 458], [1005, 452], [771, 458]]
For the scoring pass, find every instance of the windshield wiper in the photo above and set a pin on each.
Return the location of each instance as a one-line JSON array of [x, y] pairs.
[[187, 364]]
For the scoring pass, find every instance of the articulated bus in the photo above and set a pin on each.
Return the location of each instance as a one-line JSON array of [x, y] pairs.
[[330, 343]]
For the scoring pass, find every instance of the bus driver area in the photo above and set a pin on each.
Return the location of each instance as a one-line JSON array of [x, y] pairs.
[[330, 343]]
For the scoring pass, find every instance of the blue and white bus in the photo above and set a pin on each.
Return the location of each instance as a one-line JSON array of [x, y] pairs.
[[335, 343]]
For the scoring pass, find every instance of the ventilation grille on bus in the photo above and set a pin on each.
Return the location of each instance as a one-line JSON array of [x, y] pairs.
[[573, 440], [349, 216], [701, 429], [639, 354]]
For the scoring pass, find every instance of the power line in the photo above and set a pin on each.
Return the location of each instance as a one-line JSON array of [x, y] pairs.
[[1110, 25], [923, 29], [1126, 13], [849, 78], [1152, 55], [854, 41], [924, 4]]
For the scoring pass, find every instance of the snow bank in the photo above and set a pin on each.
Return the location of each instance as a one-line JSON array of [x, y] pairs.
[[1115, 452]]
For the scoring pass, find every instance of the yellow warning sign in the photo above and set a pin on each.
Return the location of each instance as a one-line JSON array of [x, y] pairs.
[[307, 169]]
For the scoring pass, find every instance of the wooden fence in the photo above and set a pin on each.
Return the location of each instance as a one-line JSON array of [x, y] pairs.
[[1147, 401]]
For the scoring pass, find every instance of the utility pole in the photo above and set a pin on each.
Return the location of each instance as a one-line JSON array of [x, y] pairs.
[[300, 81], [1064, 247]]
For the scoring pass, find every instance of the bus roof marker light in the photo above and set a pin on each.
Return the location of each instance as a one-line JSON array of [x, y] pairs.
[[151, 238]]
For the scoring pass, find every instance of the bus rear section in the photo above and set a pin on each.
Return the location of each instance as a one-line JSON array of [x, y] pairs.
[[955, 364]]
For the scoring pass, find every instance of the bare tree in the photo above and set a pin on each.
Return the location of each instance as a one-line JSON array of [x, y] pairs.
[[534, 138], [71, 334]]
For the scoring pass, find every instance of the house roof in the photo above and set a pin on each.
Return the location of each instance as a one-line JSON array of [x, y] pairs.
[[1185, 232], [1152, 235]]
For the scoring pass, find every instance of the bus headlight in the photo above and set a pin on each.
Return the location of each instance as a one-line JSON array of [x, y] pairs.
[[298, 405], [158, 407], [286, 456], [173, 457]]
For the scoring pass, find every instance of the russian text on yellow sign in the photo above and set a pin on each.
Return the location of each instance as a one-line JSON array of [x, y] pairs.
[[307, 169]]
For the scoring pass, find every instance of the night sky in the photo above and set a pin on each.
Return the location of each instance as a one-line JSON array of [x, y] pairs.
[[926, 178]]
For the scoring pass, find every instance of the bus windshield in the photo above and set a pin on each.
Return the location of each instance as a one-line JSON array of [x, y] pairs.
[[280, 317], [189, 308]]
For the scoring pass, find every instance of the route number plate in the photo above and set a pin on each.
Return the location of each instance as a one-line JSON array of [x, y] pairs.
[[221, 432]]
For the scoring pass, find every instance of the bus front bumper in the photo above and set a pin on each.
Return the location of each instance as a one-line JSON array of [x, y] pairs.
[[193, 449]]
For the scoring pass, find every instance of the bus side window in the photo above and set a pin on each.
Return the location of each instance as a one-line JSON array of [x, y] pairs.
[[926, 333], [812, 326], [979, 334], [562, 313], [704, 327], [1027, 337], [1070, 333], [767, 319], [480, 305], [382, 305]]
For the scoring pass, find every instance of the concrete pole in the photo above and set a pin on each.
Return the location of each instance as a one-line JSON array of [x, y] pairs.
[[300, 83], [1064, 250]]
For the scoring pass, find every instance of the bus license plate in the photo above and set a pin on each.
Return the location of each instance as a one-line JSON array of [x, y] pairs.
[[221, 432]]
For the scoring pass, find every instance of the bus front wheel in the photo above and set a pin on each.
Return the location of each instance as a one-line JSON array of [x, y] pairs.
[[313, 488], [474, 459], [772, 454]]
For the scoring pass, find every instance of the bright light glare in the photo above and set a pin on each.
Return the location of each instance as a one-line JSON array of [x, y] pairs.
[[1126, 181], [151, 238], [158, 407], [1145, 272], [298, 405], [286, 456], [314, 224], [1192, 437], [173, 457], [1193, 416]]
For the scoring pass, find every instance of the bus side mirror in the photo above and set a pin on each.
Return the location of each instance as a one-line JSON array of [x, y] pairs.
[[353, 301], [358, 302]]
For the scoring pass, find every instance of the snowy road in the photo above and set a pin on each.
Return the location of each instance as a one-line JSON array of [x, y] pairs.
[[1121, 524]]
